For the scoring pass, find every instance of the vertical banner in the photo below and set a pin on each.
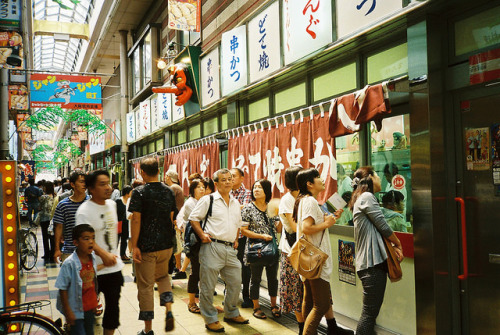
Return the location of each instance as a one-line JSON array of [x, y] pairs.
[[184, 15], [145, 117], [307, 27], [137, 116], [29, 170], [155, 125], [268, 152], [164, 105], [210, 77], [264, 44], [130, 127], [234, 60], [177, 111]]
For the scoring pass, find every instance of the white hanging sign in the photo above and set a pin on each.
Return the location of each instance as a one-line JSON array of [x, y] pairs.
[[355, 15], [307, 27], [210, 77], [264, 43], [137, 113], [164, 102], [177, 112], [234, 60], [130, 127], [145, 117], [154, 113]]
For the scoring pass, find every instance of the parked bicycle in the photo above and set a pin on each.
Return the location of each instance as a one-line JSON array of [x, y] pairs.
[[22, 319], [28, 248]]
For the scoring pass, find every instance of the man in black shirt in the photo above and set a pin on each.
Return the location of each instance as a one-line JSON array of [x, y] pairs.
[[153, 206]]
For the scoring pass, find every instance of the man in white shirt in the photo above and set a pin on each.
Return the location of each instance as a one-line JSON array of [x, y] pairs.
[[100, 213], [218, 253]]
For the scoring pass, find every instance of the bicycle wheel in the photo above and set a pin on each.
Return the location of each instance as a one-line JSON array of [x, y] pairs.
[[29, 253], [27, 323]]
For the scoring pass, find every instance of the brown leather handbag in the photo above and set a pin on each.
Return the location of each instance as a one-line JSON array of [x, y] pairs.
[[393, 264], [307, 259]]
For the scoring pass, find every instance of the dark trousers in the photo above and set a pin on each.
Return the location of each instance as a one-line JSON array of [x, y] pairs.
[[33, 209], [194, 277], [246, 272], [374, 281], [84, 326], [123, 238], [272, 280], [48, 240], [111, 285]]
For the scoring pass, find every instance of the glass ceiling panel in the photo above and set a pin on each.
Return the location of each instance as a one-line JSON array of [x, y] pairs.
[[59, 56]]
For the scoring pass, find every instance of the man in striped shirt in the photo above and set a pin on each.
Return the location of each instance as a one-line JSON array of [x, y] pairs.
[[64, 216]]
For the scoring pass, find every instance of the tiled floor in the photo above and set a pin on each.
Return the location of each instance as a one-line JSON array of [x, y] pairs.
[[39, 284]]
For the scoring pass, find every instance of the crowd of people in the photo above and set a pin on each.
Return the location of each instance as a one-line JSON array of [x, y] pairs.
[[97, 228]]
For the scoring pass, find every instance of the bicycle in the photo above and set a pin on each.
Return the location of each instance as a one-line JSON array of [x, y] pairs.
[[28, 248], [20, 320]]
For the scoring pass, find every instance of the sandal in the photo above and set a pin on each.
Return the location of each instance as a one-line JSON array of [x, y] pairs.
[[259, 314], [194, 308], [276, 311]]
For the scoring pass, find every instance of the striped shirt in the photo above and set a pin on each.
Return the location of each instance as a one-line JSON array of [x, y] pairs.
[[65, 214], [241, 194]]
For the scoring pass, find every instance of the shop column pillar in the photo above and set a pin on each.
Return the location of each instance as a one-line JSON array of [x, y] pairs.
[[124, 103], [4, 114]]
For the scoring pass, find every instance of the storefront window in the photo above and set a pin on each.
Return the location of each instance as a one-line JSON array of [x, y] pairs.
[[290, 98], [391, 160], [194, 132], [258, 109], [159, 144], [348, 158], [181, 136], [147, 58], [224, 121], [136, 71], [334, 82], [210, 126], [151, 147], [388, 63]]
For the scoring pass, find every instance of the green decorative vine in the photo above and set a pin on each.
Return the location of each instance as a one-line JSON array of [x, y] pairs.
[[47, 157], [63, 6]]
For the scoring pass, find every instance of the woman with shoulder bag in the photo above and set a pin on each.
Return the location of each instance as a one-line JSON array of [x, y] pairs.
[[258, 226], [44, 216], [369, 227], [314, 224]]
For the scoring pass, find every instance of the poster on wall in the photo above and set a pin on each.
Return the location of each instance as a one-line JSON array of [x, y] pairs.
[[477, 141], [11, 49], [18, 97], [495, 152], [347, 268], [184, 15], [10, 13]]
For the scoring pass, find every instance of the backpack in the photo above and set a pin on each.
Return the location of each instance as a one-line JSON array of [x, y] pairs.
[[192, 242]]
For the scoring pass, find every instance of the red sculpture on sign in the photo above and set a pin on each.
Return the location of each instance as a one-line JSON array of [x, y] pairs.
[[179, 84]]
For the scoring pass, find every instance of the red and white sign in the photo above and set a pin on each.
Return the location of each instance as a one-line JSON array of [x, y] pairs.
[[398, 182], [484, 67]]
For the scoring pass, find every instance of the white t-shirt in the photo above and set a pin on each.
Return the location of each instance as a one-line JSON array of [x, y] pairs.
[[309, 207], [286, 207], [104, 220]]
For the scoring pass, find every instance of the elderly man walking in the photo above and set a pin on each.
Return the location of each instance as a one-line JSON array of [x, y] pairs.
[[218, 253]]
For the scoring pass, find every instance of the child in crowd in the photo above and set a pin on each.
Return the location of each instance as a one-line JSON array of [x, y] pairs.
[[77, 298], [393, 207]]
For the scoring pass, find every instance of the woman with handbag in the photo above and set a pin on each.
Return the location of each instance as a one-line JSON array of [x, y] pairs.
[[44, 217], [314, 224], [261, 232], [369, 227]]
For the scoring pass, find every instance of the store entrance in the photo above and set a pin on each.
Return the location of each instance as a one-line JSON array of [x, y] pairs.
[[477, 132]]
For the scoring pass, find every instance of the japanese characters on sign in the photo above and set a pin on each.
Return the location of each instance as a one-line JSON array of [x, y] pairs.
[[234, 60], [10, 13], [263, 43], [307, 27], [145, 117], [165, 103], [177, 112], [154, 113], [71, 92], [96, 143], [137, 116], [354, 15], [210, 77]]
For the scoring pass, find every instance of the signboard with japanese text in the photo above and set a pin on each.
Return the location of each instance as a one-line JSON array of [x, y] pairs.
[[267, 154], [10, 13], [210, 77], [154, 113], [355, 15], [71, 92], [184, 15], [130, 127], [96, 143], [11, 49], [145, 117], [234, 60], [177, 112], [138, 133], [264, 45], [484, 67], [164, 103], [307, 27]]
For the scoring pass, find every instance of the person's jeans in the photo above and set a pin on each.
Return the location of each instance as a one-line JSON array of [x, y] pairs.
[[33, 209], [48, 240], [374, 281], [84, 326], [194, 277]]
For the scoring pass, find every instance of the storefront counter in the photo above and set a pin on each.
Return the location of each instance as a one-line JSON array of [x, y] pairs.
[[398, 312]]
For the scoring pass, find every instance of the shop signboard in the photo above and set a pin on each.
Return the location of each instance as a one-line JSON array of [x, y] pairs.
[[263, 43], [353, 16], [10, 13], [184, 15], [70, 92], [234, 60], [178, 112], [210, 77], [484, 67], [164, 103], [154, 113], [138, 133], [96, 143], [18, 97], [307, 27], [11, 49], [130, 127], [145, 117]]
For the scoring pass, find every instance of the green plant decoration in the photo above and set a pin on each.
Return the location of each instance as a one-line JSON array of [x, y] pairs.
[[47, 157], [63, 6], [88, 121], [40, 153]]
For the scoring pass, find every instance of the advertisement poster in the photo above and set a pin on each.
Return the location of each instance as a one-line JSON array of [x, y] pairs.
[[184, 15], [347, 269], [477, 148], [11, 50], [18, 97], [71, 92], [495, 152]]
